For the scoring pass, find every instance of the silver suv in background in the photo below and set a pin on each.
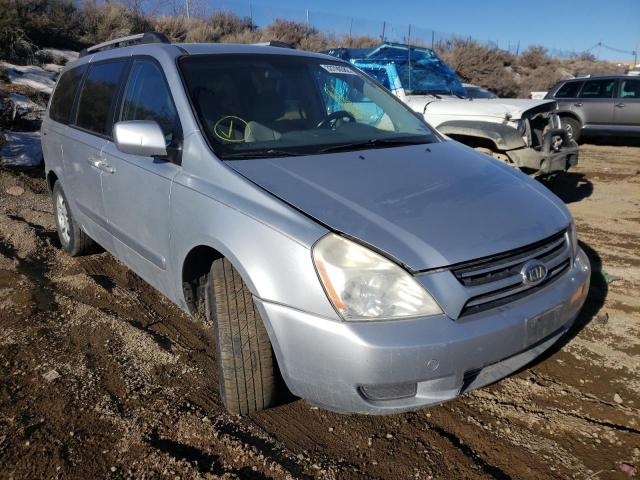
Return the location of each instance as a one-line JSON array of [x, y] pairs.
[[334, 238], [606, 105]]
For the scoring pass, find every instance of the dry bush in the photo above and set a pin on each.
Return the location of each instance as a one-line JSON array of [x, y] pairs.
[[175, 28], [295, 33], [481, 65], [102, 22], [534, 57], [363, 41]]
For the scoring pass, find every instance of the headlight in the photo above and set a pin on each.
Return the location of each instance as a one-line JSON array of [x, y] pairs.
[[363, 285], [573, 239]]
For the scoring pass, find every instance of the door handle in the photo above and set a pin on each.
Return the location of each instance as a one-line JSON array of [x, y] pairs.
[[620, 105], [105, 167], [94, 162], [579, 104], [100, 164]]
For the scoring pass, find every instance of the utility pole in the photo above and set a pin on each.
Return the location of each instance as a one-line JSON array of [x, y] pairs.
[[409, 36], [384, 24], [251, 12], [350, 27], [186, 4], [433, 38], [307, 19]]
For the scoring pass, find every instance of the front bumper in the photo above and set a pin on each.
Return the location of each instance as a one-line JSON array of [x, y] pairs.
[[328, 362], [544, 160]]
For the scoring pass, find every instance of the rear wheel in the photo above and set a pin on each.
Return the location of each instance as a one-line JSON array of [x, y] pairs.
[[72, 239], [246, 364], [572, 127]]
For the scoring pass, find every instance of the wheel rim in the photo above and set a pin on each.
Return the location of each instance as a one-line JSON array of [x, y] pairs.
[[63, 219], [569, 130]]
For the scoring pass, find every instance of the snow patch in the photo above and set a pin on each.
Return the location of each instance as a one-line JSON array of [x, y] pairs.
[[22, 149], [24, 104], [31, 76]]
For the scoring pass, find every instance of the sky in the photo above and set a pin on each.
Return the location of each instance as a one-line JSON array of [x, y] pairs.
[[569, 25]]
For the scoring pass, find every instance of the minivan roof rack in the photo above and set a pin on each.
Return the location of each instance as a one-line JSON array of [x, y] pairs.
[[140, 38], [275, 43]]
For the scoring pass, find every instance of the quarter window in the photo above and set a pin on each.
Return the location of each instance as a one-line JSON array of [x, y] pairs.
[[630, 88], [568, 90], [64, 95], [98, 97], [147, 97], [598, 88]]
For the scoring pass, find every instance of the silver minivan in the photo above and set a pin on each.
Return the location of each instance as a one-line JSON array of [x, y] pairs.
[[341, 247]]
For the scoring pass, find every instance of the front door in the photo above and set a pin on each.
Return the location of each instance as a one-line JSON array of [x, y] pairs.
[[137, 189]]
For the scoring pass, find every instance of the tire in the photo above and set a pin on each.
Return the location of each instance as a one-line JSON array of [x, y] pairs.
[[246, 364], [72, 239], [572, 127]]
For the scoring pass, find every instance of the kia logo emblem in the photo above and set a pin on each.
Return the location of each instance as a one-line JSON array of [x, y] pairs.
[[533, 272]]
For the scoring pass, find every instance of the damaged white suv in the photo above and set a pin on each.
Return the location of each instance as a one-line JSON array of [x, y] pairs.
[[524, 133]]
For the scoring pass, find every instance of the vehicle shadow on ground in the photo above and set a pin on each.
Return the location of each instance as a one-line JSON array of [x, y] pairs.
[[612, 141], [596, 297], [570, 186]]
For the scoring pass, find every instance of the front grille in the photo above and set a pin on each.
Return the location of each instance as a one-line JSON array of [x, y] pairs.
[[496, 280]]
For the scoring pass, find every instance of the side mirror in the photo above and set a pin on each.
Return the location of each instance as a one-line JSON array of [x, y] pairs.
[[140, 137]]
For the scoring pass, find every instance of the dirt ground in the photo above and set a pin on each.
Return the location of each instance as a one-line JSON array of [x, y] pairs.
[[100, 377]]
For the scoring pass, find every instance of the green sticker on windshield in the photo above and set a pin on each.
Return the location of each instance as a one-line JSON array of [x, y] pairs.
[[338, 69]]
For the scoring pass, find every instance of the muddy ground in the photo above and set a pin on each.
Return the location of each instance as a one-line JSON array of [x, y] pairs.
[[135, 394]]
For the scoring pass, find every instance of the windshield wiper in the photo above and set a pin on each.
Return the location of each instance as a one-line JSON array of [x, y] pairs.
[[373, 143], [265, 153]]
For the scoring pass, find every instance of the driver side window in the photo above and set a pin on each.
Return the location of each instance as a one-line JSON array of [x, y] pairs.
[[147, 97]]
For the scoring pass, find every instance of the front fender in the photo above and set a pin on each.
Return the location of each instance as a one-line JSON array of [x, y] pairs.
[[250, 232], [502, 136]]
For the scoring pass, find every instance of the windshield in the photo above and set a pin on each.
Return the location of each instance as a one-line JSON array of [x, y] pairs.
[[420, 70], [275, 105]]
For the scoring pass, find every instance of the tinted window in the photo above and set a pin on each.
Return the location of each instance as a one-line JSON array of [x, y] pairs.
[[630, 88], [147, 97], [64, 95], [598, 89], [568, 90], [98, 97]]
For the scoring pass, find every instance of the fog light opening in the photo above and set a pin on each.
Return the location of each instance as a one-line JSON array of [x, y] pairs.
[[389, 392]]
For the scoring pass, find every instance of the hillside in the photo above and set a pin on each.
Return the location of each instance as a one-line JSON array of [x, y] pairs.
[[30, 25]]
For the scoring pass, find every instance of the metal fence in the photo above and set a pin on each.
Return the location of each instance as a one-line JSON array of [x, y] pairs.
[[345, 27]]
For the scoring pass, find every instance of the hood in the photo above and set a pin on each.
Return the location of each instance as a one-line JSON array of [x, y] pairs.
[[425, 207], [490, 107]]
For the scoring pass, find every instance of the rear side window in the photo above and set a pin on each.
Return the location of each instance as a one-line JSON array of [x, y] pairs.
[[98, 97], [630, 88], [64, 95], [568, 90], [147, 97], [598, 88]]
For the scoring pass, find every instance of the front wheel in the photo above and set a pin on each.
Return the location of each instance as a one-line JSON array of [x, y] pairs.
[[246, 364], [572, 127]]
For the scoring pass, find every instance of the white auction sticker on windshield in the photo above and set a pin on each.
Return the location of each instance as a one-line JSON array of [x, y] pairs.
[[338, 69]]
